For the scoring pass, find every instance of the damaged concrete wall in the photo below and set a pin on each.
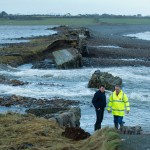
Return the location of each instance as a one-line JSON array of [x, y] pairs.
[[67, 58]]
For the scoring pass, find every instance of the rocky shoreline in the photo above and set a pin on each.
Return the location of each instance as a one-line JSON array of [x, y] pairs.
[[82, 47], [93, 46], [88, 47], [65, 112], [126, 51]]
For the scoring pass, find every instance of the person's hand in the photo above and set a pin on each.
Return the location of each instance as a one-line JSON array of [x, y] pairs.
[[98, 109], [127, 111], [109, 111]]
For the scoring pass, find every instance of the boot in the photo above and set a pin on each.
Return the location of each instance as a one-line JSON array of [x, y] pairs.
[[97, 127], [116, 125], [121, 127]]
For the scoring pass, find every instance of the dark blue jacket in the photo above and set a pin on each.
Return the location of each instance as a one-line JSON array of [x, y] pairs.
[[99, 100]]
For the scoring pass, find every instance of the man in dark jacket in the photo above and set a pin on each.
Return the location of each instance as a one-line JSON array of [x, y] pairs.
[[99, 102]]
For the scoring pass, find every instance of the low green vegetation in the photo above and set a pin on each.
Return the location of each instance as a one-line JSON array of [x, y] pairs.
[[31, 133], [144, 21], [49, 21], [75, 21]]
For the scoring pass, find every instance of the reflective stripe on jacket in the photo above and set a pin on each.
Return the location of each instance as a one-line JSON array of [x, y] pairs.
[[118, 103]]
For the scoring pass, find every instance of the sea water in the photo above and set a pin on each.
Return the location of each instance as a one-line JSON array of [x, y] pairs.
[[141, 35], [73, 85], [15, 34]]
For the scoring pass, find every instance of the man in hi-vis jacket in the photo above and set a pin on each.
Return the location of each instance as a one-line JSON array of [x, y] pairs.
[[118, 103]]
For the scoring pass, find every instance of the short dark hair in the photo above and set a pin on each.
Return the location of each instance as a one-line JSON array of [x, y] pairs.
[[102, 86], [118, 86]]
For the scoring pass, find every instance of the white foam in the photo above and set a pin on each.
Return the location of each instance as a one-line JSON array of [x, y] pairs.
[[135, 84], [106, 46]]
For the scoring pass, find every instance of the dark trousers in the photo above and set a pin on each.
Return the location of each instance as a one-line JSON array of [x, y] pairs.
[[99, 118], [118, 119]]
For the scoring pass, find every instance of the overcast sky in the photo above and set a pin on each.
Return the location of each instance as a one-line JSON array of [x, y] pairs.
[[127, 7]]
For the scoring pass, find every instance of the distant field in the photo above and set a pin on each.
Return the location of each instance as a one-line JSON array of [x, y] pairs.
[[50, 21], [144, 21], [76, 21]]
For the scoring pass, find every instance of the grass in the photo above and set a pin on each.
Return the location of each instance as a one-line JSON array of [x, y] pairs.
[[31, 133], [105, 139], [49, 21], [76, 21], [144, 21]]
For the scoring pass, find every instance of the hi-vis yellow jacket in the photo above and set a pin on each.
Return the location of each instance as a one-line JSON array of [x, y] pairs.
[[118, 103]]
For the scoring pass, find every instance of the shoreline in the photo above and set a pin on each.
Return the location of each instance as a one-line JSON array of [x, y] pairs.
[[128, 48], [101, 35], [110, 54]]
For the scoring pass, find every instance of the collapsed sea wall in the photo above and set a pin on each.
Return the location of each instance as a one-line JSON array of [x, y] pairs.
[[41, 48]]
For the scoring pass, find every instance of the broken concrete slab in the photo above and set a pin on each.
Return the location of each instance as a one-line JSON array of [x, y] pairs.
[[67, 58]]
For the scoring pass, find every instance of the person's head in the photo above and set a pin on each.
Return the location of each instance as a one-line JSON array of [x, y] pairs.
[[102, 88], [117, 89]]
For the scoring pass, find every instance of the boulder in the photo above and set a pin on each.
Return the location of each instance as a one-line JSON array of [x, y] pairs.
[[17, 82], [67, 117], [30, 102], [104, 78], [14, 82], [46, 64], [135, 130], [64, 112], [67, 58]]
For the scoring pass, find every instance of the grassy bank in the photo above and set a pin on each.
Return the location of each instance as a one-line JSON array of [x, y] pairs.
[[31, 133], [76, 21]]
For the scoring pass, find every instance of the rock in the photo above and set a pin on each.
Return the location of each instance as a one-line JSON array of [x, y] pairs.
[[14, 82], [17, 82], [70, 118], [42, 112], [13, 100], [36, 103], [67, 58], [87, 33], [64, 116], [131, 130], [25, 145], [2, 79], [104, 78], [46, 64], [64, 112], [83, 45], [6, 67]]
